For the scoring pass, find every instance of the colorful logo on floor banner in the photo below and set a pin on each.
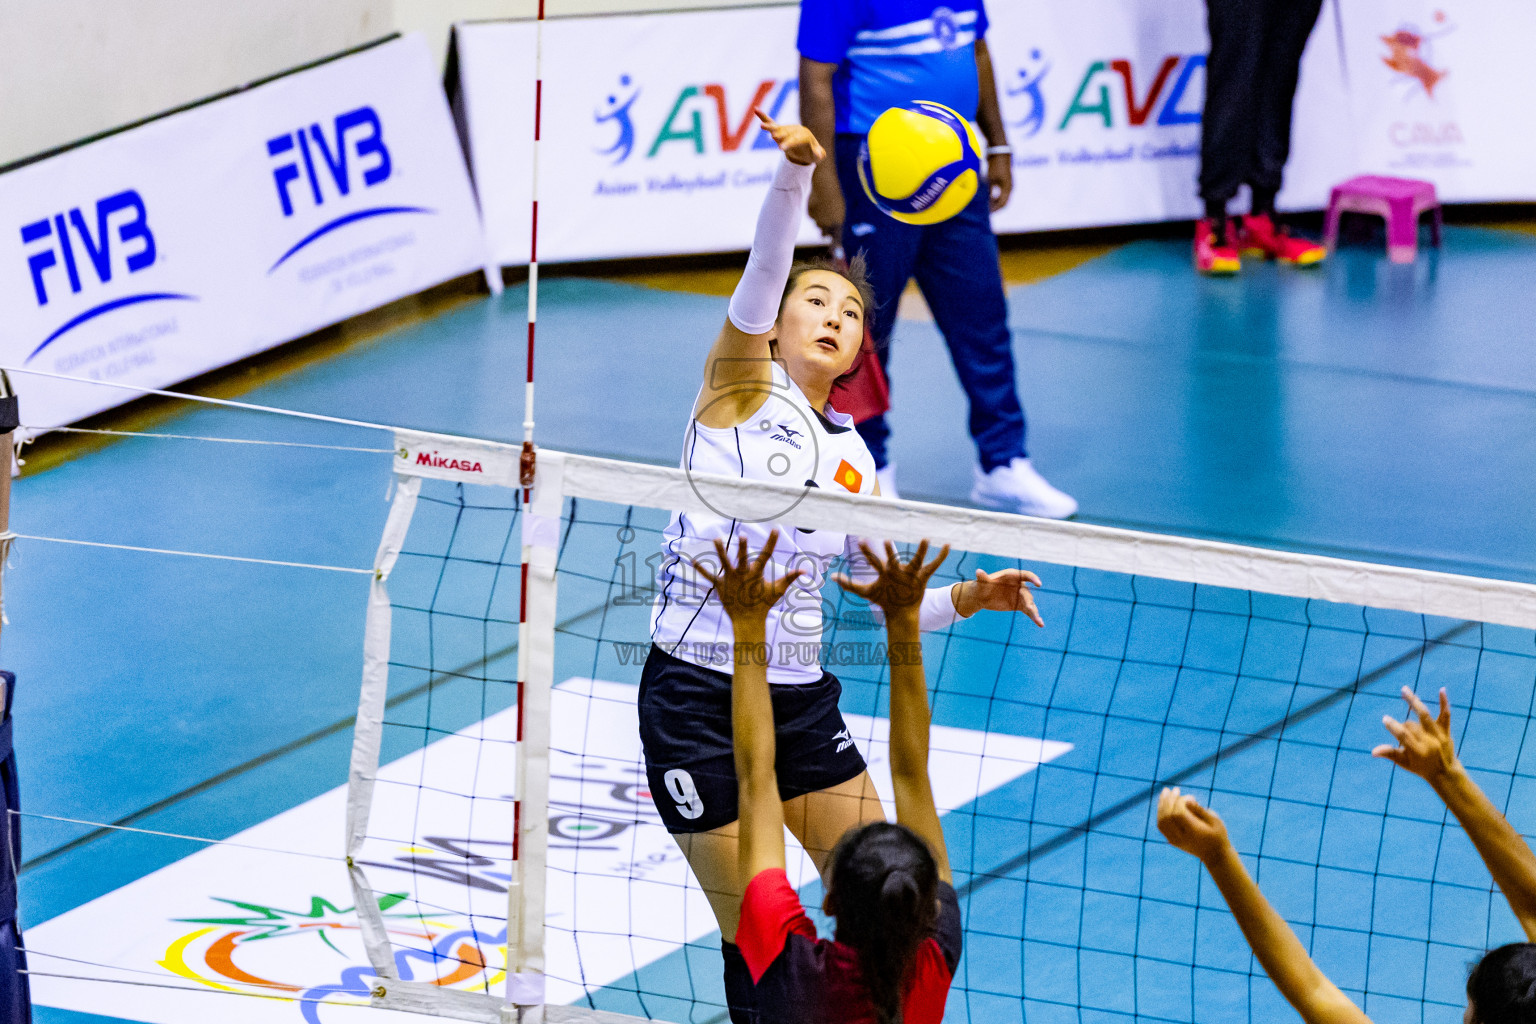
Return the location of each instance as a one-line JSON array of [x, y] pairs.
[[236, 919]]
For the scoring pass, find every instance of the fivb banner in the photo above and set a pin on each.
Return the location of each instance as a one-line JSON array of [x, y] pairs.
[[649, 148], [164, 251]]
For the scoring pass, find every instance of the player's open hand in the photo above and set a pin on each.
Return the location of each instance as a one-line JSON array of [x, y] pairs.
[[741, 587], [1423, 747], [796, 141], [1005, 591], [900, 586], [1188, 826]]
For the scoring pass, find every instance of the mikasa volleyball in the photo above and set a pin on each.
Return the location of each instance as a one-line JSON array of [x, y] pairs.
[[920, 164]]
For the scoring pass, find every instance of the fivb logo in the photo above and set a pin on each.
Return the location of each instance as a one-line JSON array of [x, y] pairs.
[[685, 119], [312, 149], [61, 233], [321, 163], [78, 244]]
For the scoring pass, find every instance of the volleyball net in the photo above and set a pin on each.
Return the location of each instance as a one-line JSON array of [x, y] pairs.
[[1256, 679]]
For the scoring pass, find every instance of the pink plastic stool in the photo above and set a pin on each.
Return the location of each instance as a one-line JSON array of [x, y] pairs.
[[1398, 201]]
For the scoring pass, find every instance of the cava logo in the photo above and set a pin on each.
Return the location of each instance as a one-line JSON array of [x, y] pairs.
[[1094, 91], [1410, 55], [700, 118]]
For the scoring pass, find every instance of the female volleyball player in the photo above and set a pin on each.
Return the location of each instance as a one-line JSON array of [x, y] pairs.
[[762, 414], [1501, 988], [898, 921]]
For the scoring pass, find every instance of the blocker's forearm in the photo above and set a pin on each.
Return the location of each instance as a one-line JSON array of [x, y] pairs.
[[1275, 945], [1504, 850]]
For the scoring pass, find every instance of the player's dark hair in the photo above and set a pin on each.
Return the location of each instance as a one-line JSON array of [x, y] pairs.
[[856, 273], [884, 894], [1502, 986]]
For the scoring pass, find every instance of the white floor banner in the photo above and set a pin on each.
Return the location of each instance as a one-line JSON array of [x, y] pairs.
[[176, 946], [649, 147], [166, 250]]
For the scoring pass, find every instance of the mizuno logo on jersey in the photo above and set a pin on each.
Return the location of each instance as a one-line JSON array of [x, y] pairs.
[[788, 436], [847, 741]]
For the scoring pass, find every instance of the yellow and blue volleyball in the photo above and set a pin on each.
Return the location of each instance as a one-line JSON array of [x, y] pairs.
[[921, 164]]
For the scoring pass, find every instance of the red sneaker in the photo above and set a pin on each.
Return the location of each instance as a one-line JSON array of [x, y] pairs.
[[1260, 237], [1215, 255]]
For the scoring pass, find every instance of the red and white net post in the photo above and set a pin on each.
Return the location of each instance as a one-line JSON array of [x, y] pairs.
[[535, 660]]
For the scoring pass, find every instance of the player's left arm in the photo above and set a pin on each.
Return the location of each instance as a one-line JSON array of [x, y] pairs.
[[747, 597], [989, 117]]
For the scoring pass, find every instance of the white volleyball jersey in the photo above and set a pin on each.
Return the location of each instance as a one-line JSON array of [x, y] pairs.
[[784, 441]]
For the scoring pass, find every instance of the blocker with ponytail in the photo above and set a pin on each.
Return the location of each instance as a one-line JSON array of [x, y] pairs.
[[884, 893]]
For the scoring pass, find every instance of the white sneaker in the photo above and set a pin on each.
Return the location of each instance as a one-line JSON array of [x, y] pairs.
[[1017, 487], [887, 477]]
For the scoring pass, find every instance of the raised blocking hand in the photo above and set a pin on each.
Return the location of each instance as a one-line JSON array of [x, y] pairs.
[[1424, 747], [1188, 826], [741, 587], [899, 586]]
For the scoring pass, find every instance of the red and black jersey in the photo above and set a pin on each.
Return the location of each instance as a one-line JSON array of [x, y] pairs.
[[806, 980]]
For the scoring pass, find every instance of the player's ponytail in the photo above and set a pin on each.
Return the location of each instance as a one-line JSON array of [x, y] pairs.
[[884, 893], [1502, 987]]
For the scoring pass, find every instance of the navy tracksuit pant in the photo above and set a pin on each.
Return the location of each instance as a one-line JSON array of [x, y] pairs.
[[956, 266]]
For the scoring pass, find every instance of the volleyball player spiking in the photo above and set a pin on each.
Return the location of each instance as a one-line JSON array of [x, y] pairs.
[[762, 414]]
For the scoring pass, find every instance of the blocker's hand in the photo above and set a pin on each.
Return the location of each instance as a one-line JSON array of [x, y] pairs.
[[795, 140], [741, 587], [1424, 747], [1189, 827], [1005, 591], [901, 585]]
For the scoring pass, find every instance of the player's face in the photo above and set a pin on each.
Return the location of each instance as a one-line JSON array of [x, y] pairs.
[[821, 327]]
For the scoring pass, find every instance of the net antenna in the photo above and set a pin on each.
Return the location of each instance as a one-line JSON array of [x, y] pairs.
[[541, 527], [524, 994]]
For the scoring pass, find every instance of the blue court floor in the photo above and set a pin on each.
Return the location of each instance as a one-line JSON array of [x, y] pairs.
[[1374, 411]]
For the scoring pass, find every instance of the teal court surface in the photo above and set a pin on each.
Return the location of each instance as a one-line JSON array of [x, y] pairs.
[[1365, 410]]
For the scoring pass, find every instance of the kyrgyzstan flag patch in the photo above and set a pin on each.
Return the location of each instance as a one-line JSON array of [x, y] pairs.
[[849, 477]]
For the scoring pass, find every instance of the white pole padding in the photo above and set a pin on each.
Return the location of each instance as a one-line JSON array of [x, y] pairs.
[[536, 655], [368, 733]]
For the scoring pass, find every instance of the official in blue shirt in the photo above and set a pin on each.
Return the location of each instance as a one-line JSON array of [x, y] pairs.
[[858, 58]]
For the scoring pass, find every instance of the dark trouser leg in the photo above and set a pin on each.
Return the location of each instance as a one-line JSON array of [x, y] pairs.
[[1229, 126], [1289, 24], [890, 250], [957, 269], [740, 998]]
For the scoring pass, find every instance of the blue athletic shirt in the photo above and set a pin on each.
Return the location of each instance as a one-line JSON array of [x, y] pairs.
[[891, 52]]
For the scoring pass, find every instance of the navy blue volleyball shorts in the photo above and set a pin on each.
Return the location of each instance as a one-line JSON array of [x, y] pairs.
[[685, 727]]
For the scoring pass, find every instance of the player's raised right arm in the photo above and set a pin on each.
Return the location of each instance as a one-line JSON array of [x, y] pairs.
[[1425, 747], [738, 371]]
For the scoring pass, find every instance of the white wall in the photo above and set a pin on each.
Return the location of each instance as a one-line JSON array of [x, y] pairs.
[[72, 68]]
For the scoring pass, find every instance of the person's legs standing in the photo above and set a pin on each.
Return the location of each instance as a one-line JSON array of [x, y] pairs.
[[958, 271], [890, 249], [1286, 29], [1228, 125], [1289, 24]]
